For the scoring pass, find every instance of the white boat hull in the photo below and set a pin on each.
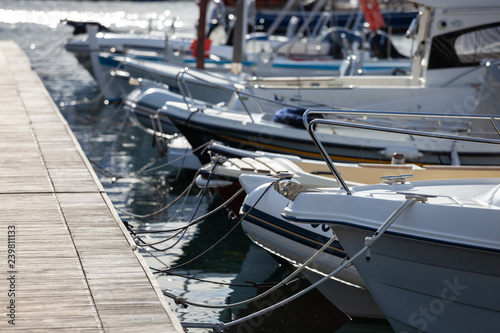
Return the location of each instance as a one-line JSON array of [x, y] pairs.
[[429, 287], [237, 129], [435, 269], [297, 243]]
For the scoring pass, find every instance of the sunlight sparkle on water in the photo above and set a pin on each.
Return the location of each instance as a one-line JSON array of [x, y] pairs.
[[117, 19]]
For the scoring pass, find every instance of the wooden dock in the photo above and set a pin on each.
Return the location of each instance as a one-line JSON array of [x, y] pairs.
[[66, 262]]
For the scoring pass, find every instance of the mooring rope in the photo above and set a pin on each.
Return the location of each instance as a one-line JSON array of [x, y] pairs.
[[104, 126], [250, 284], [184, 302], [159, 211], [148, 167], [199, 219], [215, 244], [183, 229], [193, 151], [205, 188], [114, 174], [369, 241]]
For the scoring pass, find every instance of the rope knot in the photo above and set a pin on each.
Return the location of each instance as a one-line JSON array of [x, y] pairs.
[[369, 241], [181, 301], [219, 159]]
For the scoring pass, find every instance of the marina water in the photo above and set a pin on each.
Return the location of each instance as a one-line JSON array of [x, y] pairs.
[[139, 182]]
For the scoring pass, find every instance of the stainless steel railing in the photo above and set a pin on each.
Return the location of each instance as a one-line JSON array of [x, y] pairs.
[[310, 125]]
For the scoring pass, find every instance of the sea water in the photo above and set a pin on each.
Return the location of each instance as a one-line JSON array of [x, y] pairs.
[[234, 270]]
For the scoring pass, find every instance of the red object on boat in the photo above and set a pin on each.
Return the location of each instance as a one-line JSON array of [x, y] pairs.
[[194, 46], [372, 14]]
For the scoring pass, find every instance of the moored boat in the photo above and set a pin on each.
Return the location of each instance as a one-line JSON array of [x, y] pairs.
[[467, 85], [434, 267], [425, 249], [295, 243]]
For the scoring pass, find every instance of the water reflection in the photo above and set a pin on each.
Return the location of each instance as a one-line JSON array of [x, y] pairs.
[[117, 149], [118, 20]]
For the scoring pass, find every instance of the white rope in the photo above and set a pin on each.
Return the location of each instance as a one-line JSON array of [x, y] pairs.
[[185, 302], [410, 199]]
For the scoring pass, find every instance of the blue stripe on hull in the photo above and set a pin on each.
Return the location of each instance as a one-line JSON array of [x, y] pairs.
[[292, 232]]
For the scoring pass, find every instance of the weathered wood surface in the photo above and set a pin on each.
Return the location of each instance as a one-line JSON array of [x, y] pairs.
[[76, 268]]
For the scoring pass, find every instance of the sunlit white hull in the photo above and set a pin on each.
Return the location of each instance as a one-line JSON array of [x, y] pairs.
[[435, 269]]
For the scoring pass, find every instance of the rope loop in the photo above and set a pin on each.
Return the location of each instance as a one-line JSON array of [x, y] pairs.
[[218, 327]]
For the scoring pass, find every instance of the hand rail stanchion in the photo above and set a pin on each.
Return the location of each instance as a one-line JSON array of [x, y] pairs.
[[323, 152], [244, 106], [183, 88]]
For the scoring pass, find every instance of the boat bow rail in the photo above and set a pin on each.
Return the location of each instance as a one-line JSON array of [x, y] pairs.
[[252, 101], [311, 122]]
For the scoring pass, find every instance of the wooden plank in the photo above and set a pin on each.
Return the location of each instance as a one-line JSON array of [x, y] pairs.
[[76, 268]]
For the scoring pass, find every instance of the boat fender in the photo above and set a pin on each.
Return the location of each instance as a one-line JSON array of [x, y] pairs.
[[291, 117]]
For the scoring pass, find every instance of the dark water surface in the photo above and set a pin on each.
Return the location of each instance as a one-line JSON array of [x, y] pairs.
[[116, 149]]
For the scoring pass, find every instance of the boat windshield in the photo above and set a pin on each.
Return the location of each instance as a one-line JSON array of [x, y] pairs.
[[465, 47]]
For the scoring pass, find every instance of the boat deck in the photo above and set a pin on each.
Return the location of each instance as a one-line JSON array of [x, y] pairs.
[[66, 262]]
